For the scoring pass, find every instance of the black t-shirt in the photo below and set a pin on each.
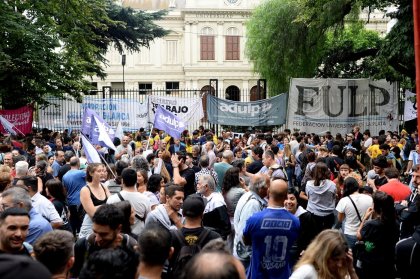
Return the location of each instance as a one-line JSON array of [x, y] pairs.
[[255, 166], [189, 176], [62, 171], [191, 237], [379, 181], [334, 163], [380, 240]]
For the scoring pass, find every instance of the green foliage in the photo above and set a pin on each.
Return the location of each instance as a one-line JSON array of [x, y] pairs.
[[50, 47], [327, 47], [280, 46]]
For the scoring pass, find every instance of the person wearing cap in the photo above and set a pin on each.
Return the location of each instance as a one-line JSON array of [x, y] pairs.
[[193, 212]]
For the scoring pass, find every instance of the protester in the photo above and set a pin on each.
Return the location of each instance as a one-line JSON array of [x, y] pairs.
[[14, 225], [138, 201], [351, 209], [249, 204], [379, 236], [107, 224], [92, 196], [265, 229], [55, 251], [167, 215], [327, 256], [155, 249]]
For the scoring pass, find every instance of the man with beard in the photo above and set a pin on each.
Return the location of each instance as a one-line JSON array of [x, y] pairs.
[[14, 225], [167, 215], [107, 224]]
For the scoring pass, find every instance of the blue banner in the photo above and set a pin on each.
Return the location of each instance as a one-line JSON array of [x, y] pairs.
[[258, 113], [168, 122]]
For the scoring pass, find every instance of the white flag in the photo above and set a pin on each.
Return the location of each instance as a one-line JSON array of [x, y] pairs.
[[103, 135], [7, 125], [119, 133], [91, 153]]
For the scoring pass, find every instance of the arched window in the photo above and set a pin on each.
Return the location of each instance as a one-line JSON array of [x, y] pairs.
[[232, 44], [233, 93], [204, 91], [207, 44], [255, 95]]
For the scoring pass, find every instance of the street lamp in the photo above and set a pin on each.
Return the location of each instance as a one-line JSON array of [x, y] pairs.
[[123, 64]]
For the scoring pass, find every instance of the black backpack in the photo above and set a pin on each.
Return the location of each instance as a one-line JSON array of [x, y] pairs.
[[187, 252]]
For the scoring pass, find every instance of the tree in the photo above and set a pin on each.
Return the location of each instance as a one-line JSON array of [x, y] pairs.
[[337, 44], [50, 47]]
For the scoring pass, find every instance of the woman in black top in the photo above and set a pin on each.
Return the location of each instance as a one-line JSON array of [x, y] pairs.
[[93, 195], [380, 234], [56, 193]]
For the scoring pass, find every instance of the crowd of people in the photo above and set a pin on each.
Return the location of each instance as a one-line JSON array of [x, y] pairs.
[[255, 205]]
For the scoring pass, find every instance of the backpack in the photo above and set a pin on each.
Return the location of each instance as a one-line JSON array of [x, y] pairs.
[[187, 251]]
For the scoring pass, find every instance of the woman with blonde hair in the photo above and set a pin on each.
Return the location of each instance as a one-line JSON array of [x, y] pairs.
[[327, 257], [289, 162]]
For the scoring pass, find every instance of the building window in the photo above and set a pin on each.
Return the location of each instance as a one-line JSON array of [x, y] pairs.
[[256, 95], [171, 52], [207, 44], [171, 86], [145, 88], [233, 93], [232, 44], [204, 92], [117, 88]]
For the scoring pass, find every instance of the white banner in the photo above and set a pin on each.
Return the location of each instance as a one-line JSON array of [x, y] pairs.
[[189, 110], [336, 105], [69, 115], [410, 106]]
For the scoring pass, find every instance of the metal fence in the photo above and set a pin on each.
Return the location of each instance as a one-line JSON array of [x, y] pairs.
[[140, 95]]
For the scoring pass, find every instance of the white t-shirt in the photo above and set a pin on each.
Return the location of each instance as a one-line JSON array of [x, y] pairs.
[[306, 271], [352, 222], [141, 206]]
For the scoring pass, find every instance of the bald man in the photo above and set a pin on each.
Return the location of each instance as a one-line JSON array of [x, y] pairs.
[[271, 233], [214, 264]]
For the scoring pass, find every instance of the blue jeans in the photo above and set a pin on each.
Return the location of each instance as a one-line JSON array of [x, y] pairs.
[[351, 240], [290, 172]]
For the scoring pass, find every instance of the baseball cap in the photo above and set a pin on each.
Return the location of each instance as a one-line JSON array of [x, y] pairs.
[[193, 206]]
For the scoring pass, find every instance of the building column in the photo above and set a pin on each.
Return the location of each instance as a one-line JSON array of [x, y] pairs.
[[195, 46], [245, 91], [242, 45], [187, 44], [220, 47]]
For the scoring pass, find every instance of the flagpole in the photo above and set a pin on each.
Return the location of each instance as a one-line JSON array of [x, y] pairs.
[[100, 155], [106, 163]]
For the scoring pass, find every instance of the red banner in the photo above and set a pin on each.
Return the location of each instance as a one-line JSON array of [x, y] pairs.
[[21, 118]]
